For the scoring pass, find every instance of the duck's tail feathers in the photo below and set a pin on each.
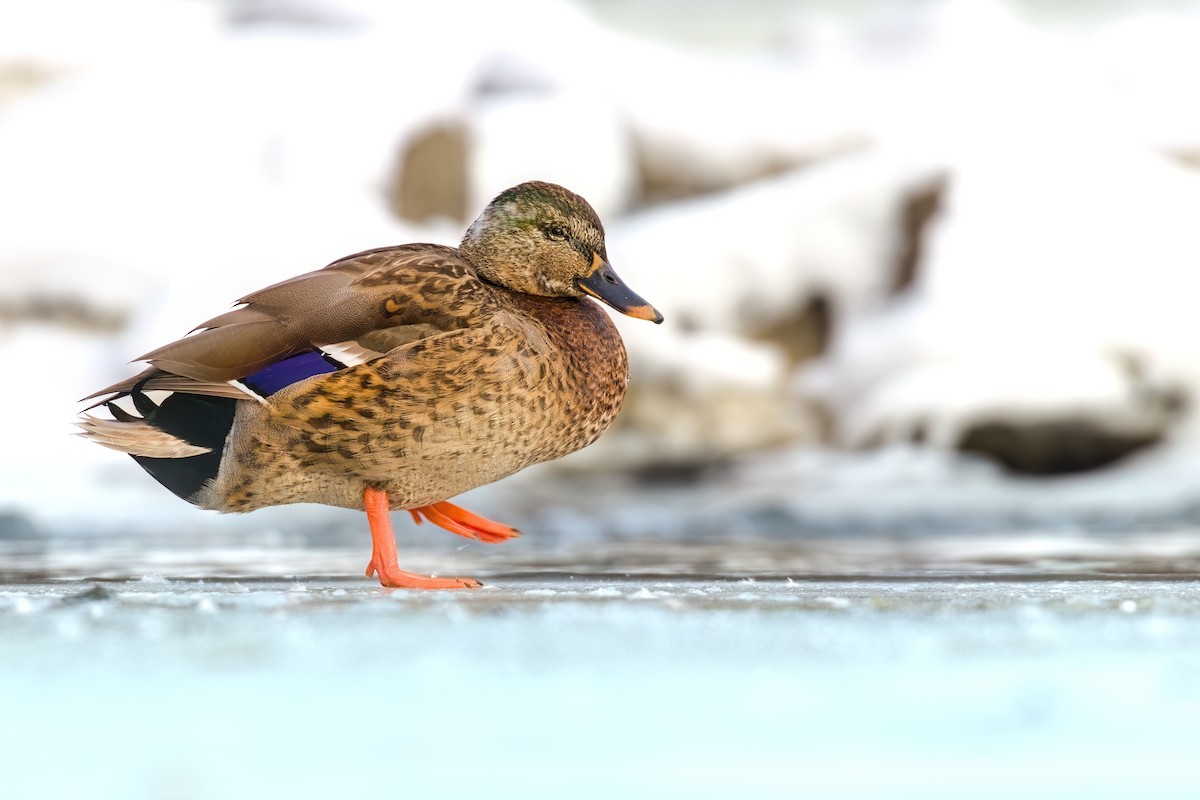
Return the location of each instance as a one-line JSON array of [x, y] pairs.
[[180, 441], [136, 437]]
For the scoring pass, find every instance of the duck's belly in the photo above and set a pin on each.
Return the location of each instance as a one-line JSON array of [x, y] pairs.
[[266, 463]]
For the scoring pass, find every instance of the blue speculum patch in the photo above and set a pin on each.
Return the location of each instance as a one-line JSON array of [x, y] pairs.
[[269, 380]]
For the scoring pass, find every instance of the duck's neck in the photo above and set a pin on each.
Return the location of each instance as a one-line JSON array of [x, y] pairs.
[[511, 263]]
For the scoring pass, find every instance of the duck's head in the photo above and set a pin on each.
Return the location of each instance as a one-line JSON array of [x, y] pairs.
[[539, 238]]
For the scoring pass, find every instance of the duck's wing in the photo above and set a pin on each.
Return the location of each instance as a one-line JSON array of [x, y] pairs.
[[352, 311]]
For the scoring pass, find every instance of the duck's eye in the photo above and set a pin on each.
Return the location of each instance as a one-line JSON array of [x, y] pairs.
[[556, 232]]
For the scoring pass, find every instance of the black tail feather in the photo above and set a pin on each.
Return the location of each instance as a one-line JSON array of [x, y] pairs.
[[198, 419]]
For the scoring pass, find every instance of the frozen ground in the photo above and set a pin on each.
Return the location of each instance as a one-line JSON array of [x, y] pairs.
[[955, 678]]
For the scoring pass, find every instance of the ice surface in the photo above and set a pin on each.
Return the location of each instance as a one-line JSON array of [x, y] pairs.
[[847, 688]]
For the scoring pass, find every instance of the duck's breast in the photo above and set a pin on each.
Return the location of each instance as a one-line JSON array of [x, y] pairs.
[[583, 372]]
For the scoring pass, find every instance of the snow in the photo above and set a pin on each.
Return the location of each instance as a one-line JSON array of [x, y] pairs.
[[852, 119], [570, 138], [1050, 316], [1070, 225], [733, 260], [102, 33]]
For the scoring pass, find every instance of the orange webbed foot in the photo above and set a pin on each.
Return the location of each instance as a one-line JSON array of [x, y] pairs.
[[400, 579], [383, 552], [396, 578], [456, 519]]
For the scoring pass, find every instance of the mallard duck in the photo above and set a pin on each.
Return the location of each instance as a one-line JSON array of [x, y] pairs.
[[394, 378]]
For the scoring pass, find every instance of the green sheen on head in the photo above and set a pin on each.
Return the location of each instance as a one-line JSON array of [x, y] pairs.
[[542, 206]]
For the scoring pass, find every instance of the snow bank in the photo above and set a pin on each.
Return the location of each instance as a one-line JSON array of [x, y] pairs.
[[158, 177]]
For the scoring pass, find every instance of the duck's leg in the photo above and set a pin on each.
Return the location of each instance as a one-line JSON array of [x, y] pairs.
[[455, 519], [383, 551]]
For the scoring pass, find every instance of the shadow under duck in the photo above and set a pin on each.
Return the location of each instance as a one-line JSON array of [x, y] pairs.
[[394, 378]]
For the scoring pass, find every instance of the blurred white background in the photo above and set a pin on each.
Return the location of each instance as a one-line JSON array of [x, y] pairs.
[[884, 234]]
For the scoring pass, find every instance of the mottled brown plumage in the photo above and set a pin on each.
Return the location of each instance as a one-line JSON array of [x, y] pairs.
[[451, 368]]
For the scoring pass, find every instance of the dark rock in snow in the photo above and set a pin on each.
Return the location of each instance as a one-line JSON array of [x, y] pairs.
[[1054, 447]]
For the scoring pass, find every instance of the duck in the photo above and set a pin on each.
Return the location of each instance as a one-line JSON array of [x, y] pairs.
[[392, 379]]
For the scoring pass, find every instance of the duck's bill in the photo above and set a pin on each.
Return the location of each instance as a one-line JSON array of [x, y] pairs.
[[604, 285]]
